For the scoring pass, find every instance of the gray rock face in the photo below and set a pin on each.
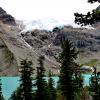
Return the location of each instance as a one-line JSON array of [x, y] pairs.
[[6, 18], [82, 39], [2, 12], [86, 41]]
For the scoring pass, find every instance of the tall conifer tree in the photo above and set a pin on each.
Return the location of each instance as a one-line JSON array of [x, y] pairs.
[[51, 88], [24, 91], [66, 58], [41, 84], [26, 80]]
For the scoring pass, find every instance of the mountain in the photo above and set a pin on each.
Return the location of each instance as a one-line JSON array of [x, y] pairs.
[[21, 40], [13, 48]]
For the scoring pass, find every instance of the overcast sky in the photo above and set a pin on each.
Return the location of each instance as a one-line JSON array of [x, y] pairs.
[[38, 9]]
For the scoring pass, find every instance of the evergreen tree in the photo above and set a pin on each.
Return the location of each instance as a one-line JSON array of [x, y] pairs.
[[26, 80], [51, 89], [66, 58], [41, 84], [13, 96], [77, 84], [24, 92], [89, 18], [95, 85], [17, 95], [1, 96]]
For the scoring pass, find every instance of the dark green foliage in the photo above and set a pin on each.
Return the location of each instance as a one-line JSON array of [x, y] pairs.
[[14, 96], [17, 95], [77, 78], [41, 84], [77, 85], [26, 80], [51, 89], [90, 18], [92, 1], [1, 96], [66, 58], [24, 92], [95, 85]]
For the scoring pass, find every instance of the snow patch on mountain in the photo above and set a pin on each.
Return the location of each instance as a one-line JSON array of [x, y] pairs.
[[46, 24]]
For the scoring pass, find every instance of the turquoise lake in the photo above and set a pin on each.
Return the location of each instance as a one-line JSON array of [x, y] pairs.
[[9, 84]]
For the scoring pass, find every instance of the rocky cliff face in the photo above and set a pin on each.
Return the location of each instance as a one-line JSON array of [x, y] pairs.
[[6, 18], [85, 39]]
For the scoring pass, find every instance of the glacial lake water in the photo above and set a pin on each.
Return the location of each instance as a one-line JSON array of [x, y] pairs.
[[9, 84]]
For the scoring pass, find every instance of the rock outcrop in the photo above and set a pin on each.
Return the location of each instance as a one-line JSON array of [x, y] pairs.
[[6, 18], [85, 39]]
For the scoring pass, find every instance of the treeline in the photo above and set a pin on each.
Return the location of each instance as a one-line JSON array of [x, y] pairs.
[[70, 85]]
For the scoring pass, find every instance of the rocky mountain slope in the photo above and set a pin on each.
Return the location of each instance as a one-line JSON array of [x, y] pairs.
[[86, 41], [17, 43], [13, 48]]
